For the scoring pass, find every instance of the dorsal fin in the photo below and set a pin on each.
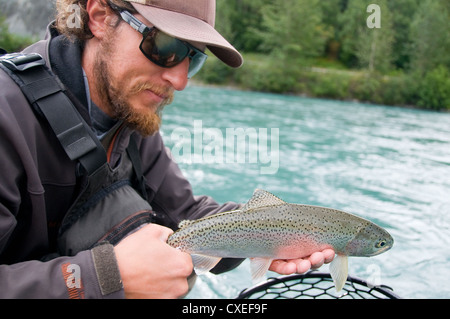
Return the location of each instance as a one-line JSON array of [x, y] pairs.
[[262, 198]]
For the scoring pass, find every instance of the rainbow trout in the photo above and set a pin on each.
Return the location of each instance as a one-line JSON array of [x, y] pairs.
[[267, 228]]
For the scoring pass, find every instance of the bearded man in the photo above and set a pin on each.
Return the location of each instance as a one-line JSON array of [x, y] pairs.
[[70, 232]]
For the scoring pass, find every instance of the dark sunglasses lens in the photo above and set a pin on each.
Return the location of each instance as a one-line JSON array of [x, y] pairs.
[[163, 49]]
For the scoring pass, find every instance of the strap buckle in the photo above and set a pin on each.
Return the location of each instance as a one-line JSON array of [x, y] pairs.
[[21, 61]]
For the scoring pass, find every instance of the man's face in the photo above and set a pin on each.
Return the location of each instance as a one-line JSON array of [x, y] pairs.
[[130, 86]]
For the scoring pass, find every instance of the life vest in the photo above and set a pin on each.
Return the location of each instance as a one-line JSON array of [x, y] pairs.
[[112, 203]]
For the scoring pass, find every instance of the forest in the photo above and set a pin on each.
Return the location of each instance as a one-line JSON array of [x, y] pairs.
[[339, 49], [391, 52]]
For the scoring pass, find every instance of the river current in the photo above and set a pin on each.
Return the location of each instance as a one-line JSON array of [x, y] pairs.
[[387, 164]]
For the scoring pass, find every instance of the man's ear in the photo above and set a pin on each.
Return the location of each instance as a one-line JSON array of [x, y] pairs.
[[99, 16]]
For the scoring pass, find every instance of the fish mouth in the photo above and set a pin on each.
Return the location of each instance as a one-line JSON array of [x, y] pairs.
[[379, 252]]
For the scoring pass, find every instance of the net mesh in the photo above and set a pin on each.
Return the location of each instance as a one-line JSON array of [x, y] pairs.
[[315, 285]]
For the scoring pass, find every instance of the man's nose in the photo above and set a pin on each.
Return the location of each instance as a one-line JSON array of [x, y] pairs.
[[177, 75]]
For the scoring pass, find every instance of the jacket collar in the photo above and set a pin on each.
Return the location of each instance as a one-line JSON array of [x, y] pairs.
[[63, 57], [65, 61]]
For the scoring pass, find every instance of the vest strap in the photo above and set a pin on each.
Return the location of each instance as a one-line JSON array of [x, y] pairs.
[[45, 92]]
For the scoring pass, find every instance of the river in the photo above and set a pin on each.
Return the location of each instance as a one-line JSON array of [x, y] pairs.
[[387, 164]]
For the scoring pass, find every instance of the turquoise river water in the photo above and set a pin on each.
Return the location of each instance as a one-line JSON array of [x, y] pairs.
[[387, 164]]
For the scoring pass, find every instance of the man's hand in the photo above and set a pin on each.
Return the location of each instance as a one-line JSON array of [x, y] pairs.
[[150, 268], [302, 265]]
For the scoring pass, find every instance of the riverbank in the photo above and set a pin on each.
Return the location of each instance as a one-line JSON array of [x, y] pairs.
[[259, 73]]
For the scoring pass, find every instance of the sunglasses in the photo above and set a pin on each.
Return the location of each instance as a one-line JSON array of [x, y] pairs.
[[164, 50]]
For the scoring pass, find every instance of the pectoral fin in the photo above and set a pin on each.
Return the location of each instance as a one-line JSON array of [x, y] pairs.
[[339, 271], [259, 267], [203, 264]]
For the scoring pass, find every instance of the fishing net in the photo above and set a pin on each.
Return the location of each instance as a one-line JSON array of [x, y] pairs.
[[315, 285]]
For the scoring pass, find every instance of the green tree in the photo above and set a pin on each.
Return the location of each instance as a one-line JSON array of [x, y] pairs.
[[430, 35], [374, 49], [434, 90], [237, 20], [350, 22], [403, 12], [362, 46], [292, 30], [331, 11]]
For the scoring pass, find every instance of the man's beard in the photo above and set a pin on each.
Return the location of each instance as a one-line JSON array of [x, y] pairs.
[[144, 120]]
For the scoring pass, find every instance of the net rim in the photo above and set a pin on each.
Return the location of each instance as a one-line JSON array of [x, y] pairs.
[[352, 280]]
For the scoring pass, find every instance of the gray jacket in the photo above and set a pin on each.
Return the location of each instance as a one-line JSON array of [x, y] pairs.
[[38, 184]]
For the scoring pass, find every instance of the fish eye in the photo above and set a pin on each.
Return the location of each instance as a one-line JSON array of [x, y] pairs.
[[381, 244]]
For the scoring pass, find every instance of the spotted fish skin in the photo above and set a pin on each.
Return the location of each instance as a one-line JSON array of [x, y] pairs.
[[268, 228], [284, 231]]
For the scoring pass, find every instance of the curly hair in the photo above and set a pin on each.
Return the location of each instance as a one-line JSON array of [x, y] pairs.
[[72, 18]]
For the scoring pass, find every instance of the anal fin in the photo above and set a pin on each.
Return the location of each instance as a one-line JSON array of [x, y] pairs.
[[259, 267], [339, 271]]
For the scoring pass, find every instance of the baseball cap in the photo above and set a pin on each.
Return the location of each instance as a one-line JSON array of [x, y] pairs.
[[189, 20]]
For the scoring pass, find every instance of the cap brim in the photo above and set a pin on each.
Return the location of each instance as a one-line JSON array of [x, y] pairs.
[[188, 28]]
